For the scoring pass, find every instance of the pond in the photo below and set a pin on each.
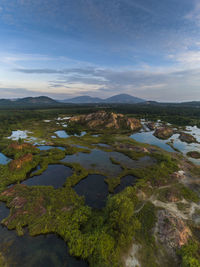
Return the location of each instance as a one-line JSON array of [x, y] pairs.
[[128, 180], [149, 138], [193, 130], [64, 134], [185, 147], [55, 175], [97, 160], [103, 145], [94, 189], [3, 159], [43, 148], [41, 251], [100, 160]]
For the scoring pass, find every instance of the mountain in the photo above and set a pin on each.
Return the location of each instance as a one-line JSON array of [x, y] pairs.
[[124, 98], [28, 101], [121, 98], [40, 100], [83, 99]]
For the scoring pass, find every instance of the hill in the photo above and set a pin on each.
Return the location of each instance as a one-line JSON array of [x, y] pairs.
[[37, 100], [28, 101], [83, 99], [121, 98]]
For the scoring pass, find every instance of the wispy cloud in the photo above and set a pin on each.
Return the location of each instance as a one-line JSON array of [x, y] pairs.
[[194, 14], [144, 83], [188, 59]]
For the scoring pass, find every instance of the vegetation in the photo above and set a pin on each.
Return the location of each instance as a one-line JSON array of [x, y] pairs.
[[190, 254], [103, 236], [147, 219]]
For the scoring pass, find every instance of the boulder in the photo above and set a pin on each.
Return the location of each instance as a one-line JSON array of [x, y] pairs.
[[194, 154], [163, 133], [188, 138], [151, 125]]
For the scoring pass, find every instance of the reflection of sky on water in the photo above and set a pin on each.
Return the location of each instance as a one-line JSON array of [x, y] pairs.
[[149, 138]]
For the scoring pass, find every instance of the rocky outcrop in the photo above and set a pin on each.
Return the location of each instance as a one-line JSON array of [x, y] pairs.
[[17, 146], [151, 125], [194, 154], [18, 163], [163, 133], [188, 138], [172, 231], [109, 120]]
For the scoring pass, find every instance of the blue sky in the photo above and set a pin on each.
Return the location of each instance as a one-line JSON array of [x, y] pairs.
[[66, 48]]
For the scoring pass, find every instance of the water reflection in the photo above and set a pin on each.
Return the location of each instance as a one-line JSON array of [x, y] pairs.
[[55, 175], [128, 180], [41, 251], [3, 159], [94, 189], [43, 148]]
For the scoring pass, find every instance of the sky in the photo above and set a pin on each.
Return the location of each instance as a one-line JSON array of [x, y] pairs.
[[67, 48]]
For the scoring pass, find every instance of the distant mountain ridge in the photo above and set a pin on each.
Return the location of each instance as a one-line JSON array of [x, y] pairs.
[[121, 98], [117, 99], [83, 99], [40, 100]]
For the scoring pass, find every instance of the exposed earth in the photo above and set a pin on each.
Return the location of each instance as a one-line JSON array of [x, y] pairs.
[[110, 120]]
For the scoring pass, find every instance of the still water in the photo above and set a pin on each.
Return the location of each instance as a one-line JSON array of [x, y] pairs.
[[41, 251], [3, 159], [55, 175], [94, 189]]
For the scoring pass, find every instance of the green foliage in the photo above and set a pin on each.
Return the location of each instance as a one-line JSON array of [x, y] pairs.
[[145, 236], [17, 153], [73, 128], [121, 217], [188, 194], [98, 236], [190, 254], [157, 174], [9, 176], [147, 218]]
